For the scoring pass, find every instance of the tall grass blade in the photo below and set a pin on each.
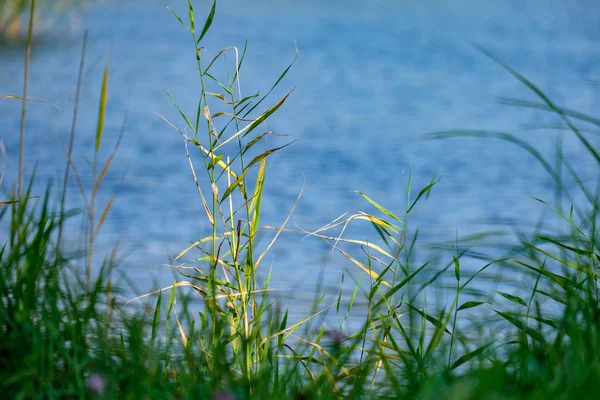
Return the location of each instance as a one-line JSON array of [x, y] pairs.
[[425, 191], [102, 108], [379, 207], [71, 140], [208, 22], [24, 103], [191, 17]]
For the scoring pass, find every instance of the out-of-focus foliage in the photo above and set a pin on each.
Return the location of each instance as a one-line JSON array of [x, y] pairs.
[[11, 12]]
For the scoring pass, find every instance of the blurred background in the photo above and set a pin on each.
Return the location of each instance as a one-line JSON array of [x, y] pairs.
[[371, 80]]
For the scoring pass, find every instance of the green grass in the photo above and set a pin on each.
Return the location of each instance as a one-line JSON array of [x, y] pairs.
[[65, 333]]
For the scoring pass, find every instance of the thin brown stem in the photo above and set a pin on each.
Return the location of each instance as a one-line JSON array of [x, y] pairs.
[[71, 141], [24, 108]]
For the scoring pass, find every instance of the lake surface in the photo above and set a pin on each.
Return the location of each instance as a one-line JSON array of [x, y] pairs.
[[372, 79]]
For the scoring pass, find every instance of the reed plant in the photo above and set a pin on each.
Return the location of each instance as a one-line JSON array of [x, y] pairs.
[[65, 333]]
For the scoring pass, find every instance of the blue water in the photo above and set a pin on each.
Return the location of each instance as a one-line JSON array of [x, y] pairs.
[[371, 79]]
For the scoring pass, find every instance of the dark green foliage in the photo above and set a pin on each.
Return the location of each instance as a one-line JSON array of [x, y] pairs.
[[65, 333]]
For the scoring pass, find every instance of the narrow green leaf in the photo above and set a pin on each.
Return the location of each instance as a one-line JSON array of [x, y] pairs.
[[424, 191], [555, 297], [566, 262], [456, 268], [434, 321], [379, 207], [338, 303], [102, 108], [245, 99], [257, 197], [560, 280], [283, 324], [273, 87], [266, 114], [353, 297], [513, 298], [469, 356], [399, 286], [471, 304], [249, 145], [215, 160], [191, 15], [265, 154], [181, 113], [239, 66], [582, 252], [177, 16], [234, 185], [225, 88], [437, 335], [521, 326], [170, 307], [549, 322], [155, 320], [286, 70], [208, 21]]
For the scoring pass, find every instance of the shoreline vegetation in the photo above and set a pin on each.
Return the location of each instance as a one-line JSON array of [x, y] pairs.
[[12, 25], [64, 332]]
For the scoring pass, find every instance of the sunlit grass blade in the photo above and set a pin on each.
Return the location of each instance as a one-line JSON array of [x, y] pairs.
[[251, 126], [102, 108], [257, 197], [379, 207], [262, 156], [369, 271], [203, 240], [191, 17], [292, 328], [237, 183]]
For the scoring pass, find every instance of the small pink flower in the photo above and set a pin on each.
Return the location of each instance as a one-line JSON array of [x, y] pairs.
[[96, 383], [220, 395], [336, 336]]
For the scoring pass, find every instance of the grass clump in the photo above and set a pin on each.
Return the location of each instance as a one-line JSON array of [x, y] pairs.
[[65, 333]]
